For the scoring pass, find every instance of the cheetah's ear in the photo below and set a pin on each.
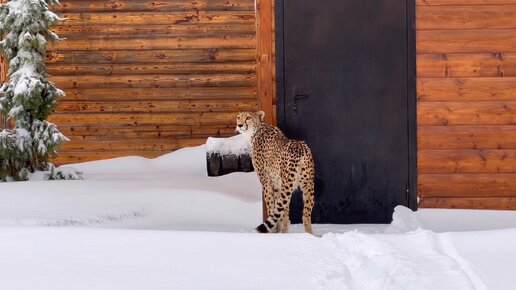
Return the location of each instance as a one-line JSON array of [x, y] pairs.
[[261, 114]]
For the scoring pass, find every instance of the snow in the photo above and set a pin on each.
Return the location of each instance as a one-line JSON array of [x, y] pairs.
[[236, 145], [137, 223], [27, 82]]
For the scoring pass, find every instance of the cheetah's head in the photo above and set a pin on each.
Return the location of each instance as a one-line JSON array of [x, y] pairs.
[[248, 122]]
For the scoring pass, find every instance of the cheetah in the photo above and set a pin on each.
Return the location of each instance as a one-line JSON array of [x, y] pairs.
[[283, 165]]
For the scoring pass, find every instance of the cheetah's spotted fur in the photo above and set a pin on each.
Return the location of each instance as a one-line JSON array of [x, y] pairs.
[[283, 165]]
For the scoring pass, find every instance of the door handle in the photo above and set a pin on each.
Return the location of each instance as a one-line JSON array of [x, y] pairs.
[[296, 97]]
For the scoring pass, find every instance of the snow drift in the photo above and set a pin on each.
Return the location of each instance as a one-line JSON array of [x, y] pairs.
[[136, 223]]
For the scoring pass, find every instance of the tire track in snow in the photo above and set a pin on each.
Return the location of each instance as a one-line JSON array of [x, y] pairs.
[[74, 221], [416, 260], [358, 261], [448, 247]]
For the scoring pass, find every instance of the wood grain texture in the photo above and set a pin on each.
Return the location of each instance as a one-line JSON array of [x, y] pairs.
[[208, 55], [159, 18], [466, 41], [134, 119], [146, 131], [464, 2], [465, 17], [144, 94], [155, 81], [466, 65], [466, 113], [4, 67], [466, 89], [153, 6], [467, 185], [153, 68], [499, 203], [264, 60], [466, 137], [113, 32], [156, 106], [147, 77], [75, 156], [110, 144], [467, 161], [149, 43], [466, 103]]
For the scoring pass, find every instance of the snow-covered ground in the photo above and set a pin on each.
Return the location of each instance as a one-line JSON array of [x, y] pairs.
[[136, 223]]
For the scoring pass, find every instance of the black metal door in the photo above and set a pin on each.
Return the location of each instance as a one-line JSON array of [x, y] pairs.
[[345, 83]]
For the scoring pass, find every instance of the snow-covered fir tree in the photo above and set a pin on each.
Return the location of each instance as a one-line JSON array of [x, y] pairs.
[[28, 98]]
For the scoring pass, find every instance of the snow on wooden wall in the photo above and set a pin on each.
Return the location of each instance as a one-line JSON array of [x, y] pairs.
[[148, 77], [466, 90]]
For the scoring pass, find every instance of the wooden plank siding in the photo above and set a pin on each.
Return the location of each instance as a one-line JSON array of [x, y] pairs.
[[466, 103], [3, 75], [265, 58], [145, 77]]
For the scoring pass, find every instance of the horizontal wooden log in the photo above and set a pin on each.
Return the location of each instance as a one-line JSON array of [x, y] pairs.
[[467, 185], [129, 106], [464, 2], [145, 94], [466, 17], [71, 156], [466, 161], [114, 32], [163, 18], [154, 6], [108, 144], [466, 89], [155, 68], [155, 81], [466, 41], [218, 164], [208, 55], [466, 113], [151, 43], [148, 131], [187, 119], [466, 137], [500, 203], [466, 65]]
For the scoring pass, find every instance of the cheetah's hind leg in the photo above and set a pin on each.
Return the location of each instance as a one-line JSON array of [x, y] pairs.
[[307, 187], [285, 222]]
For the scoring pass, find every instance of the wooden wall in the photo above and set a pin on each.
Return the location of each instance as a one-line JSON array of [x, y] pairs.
[[146, 77], [3, 75], [466, 90]]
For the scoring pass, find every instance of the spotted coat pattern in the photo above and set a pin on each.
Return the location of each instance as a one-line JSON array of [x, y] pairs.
[[283, 165]]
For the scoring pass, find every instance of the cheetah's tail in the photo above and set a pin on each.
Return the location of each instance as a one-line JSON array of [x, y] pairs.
[[262, 229], [268, 225]]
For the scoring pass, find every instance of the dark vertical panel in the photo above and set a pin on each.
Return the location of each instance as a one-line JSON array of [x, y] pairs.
[[411, 104], [347, 64]]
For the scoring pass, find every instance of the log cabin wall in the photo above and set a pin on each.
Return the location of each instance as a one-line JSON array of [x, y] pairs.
[[148, 77], [3, 79], [466, 99], [3, 76]]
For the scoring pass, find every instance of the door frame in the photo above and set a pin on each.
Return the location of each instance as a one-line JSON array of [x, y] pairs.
[[279, 13]]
